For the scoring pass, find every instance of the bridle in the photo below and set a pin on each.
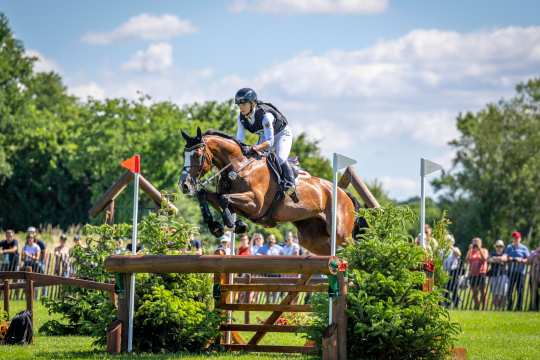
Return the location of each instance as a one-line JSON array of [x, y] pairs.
[[206, 157]]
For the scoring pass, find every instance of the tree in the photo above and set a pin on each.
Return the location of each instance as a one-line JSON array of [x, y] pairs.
[[494, 186], [15, 75]]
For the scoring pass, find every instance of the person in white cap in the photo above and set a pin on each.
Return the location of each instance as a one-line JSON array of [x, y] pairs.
[[225, 243], [498, 275]]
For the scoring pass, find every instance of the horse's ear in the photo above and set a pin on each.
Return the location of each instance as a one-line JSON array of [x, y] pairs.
[[185, 136], [199, 132]]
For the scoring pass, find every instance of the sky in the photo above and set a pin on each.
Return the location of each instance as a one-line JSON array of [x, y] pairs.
[[381, 81]]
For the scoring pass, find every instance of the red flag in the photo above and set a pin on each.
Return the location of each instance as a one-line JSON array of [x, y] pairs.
[[133, 164]]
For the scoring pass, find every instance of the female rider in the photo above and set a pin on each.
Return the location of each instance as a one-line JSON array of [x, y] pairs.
[[265, 120]]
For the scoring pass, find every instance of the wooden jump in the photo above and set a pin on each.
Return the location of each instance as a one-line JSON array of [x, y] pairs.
[[334, 345]]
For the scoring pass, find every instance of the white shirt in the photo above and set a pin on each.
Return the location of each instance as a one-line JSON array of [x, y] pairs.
[[291, 250], [267, 133]]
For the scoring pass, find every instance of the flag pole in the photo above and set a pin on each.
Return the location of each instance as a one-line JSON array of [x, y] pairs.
[[338, 162], [422, 204], [133, 250]]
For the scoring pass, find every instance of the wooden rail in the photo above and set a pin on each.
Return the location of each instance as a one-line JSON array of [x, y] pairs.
[[33, 280], [217, 264]]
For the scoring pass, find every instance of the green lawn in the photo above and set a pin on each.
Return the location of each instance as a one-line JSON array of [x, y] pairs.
[[486, 335], [499, 335]]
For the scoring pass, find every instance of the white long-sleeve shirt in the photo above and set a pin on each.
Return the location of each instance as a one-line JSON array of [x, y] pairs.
[[267, 134]]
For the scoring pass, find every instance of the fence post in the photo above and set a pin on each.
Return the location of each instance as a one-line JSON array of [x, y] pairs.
[[29, 294], [341, 316], [6, 297], [123, 309]]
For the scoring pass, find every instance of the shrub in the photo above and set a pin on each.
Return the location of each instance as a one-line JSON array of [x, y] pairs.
[[389, 317], [173, 312]]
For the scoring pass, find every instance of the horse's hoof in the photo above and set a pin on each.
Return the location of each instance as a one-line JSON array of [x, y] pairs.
[[217, 229], [228, 219], [240, 227]]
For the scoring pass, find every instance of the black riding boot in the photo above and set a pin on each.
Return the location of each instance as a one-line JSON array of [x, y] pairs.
[[288, 181]]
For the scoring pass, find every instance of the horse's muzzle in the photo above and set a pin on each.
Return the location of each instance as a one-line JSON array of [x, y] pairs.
[[186, 183]]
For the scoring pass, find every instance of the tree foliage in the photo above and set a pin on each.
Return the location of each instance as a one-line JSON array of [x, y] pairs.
[[58, 154], [494, 186]]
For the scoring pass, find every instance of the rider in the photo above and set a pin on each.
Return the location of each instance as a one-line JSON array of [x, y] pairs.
[[265, 120]]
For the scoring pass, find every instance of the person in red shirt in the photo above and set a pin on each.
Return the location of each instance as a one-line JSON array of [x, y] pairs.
[[477, 257], [245, 247]]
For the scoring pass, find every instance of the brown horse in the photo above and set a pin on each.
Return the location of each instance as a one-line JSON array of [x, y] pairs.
[[248, 188]]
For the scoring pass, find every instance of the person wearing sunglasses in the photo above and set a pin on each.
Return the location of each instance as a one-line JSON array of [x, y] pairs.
[[265, 120]]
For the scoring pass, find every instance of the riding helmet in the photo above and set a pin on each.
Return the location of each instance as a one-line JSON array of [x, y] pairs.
[[245, 95]]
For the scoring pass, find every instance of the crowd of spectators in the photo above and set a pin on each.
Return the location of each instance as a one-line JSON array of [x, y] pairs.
[[496, 278], [32, 254]]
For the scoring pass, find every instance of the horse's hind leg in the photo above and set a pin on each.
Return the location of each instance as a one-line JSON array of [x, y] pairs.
[[313, 236]]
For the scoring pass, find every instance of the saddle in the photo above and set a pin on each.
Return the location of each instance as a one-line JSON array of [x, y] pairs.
[[273, 164]]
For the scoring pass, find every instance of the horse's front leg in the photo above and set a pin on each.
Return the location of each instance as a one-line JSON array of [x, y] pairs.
[[222, 203]]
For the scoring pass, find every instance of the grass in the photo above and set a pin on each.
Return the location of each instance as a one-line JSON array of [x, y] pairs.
[[499, 335], [80, 347], [485, 335]]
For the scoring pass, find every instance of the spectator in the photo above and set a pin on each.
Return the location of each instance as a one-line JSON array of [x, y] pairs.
[[257, 243], [451, 265], [272, 248], [498, 277], [477, 258], [534, 273], [77, 245], [225, 243], [244, 248], [195, 245], [31, 253], [9, 250], [43, 248], [140, 247], [77, 241], [517, 255], [119, 250], [61, 258], [290, 248]]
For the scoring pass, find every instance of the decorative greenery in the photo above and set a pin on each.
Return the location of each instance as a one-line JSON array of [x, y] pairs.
[[175, 308], [389, 316]]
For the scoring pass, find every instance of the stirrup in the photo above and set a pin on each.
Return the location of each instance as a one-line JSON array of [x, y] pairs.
[[291, 191]]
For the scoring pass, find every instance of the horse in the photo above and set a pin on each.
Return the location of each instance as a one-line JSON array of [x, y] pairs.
[[247, 187]]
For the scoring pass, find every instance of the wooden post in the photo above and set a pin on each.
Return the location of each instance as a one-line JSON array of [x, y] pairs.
[[6, 297], [123, 309], [29, 294], [248, 299], [350, 177], [109, 213], [340, 314]]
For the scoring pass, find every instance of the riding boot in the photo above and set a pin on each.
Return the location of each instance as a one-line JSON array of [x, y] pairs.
[[289, 186]]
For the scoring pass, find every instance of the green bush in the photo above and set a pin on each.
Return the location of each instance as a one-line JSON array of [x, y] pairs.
[[389, 316], [173, 312]]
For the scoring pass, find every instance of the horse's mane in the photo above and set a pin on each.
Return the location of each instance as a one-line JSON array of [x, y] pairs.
[[226, 136]]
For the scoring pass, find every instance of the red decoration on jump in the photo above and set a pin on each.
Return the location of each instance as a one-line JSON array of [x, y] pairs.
[[133, 164]]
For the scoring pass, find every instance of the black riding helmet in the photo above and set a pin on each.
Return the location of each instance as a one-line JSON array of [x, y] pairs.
[[245, 95]]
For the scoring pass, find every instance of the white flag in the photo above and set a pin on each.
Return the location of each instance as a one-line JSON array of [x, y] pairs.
[[341, 161], [427, 167]]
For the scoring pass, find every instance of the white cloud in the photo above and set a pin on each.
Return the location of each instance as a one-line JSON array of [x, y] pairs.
[[156, 58], [310, 6], [91, 89], [144, 26], [397, 186], [385, 105], [43, 64]]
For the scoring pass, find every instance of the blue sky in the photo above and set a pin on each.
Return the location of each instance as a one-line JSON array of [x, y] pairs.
[[379, 80]]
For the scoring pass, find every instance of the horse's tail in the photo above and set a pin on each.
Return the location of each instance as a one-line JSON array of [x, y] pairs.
[[359, 222]]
